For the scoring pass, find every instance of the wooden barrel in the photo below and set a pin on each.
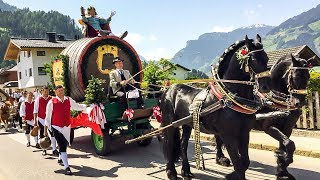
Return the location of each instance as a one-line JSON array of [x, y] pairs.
[[93, 56]]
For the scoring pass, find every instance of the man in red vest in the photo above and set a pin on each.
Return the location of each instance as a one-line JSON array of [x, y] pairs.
[[26, 113], [58, 121], [39, 113]]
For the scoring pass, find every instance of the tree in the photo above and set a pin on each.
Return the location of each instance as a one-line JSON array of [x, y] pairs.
[[95, 92], [157, 71], [196, 74]]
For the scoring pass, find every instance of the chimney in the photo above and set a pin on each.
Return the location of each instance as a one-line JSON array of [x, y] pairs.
[[61, 37], [51, 36]]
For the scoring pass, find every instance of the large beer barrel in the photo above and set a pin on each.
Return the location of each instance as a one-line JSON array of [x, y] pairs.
[[93, 56]]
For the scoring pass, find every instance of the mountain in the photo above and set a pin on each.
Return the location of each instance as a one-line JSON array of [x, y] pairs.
[[303, 29], [6, 7], [199, 54], [33, 24], [299, 30]]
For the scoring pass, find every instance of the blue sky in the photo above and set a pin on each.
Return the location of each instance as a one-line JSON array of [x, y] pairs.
[[161, 28]]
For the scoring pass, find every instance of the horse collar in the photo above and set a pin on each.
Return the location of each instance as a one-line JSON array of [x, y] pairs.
[[230, 101]]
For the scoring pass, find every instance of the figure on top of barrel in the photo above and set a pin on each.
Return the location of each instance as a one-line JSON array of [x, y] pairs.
[[96, 26]]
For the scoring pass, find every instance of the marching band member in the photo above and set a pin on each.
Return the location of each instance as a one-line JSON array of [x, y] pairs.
[[26, 113], [58, 121], [39, 113]]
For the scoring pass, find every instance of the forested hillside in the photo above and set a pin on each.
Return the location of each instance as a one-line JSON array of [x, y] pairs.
[[33, 24]]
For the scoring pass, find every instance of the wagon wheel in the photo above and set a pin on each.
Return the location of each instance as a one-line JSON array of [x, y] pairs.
[[102, 144], [147, 141]]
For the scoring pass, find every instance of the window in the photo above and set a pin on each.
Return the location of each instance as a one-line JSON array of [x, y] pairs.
[[30, 72], [41, 71], [18, 58], [41, 53], [19, 75], [29, 54], [24, 54]]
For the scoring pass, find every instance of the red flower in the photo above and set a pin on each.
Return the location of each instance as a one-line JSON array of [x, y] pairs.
[[157, 113], [310, 65], [243, 52], [128, 113]]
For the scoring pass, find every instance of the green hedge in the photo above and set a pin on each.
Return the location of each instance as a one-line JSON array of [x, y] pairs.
[[314, 82]]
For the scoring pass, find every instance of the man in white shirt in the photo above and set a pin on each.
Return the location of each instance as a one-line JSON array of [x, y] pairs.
[[39, 113], [23, 97], [58, 121]]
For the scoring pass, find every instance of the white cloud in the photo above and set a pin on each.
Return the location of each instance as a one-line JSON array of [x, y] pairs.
[[134, 38], [153, 37], [260, 6], [156, 54], [222, 28], [249, 12]]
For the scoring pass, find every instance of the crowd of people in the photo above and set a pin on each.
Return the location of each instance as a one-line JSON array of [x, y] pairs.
[[49, 116]]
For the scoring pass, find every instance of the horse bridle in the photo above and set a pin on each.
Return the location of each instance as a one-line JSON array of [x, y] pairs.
[[290, 87], [256, 76]]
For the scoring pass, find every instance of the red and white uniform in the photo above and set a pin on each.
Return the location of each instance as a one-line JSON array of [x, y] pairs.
[[40, 105], [26, 110], [58, 114]]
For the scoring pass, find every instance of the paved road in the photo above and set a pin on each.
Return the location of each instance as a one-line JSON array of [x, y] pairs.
[[128, 161]]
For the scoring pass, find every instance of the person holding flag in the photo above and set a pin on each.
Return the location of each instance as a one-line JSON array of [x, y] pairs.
[[58, 122]]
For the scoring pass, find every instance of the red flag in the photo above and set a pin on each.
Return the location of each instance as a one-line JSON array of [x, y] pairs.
[[83, 120]]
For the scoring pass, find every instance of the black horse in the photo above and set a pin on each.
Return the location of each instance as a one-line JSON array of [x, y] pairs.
[[232, 126], [289, 78]]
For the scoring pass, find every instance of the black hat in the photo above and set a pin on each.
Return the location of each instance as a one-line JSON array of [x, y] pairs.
[[116, 60]]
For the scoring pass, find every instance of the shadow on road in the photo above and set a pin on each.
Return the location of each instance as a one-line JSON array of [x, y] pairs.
[[151, 156], [9, 131]]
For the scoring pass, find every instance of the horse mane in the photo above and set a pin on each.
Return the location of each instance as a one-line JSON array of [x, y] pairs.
[[225, 58], [280, 60]]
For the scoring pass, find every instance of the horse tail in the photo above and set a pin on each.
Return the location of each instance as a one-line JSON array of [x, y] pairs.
[[172, 144], [177, 145]]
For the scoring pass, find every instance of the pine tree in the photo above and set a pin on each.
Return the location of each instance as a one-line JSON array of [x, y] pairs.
[[95, 92]]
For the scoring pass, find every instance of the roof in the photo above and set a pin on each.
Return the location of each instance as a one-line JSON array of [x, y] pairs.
[[11, 84], [39, 43], [303, 52], [5, 71], [18, 44], [178, 65], [14, 68]]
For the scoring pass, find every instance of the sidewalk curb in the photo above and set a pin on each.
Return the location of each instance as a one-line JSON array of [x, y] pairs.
[[265, 147]]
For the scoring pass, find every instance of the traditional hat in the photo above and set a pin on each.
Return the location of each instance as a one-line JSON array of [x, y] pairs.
[[116, 60]]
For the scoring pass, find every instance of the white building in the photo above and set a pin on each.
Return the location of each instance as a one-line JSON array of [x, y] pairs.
[[181, 72], [31, 55]]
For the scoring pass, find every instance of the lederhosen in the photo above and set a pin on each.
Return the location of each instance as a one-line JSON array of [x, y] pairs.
[[42, 113], [29, 115], [60, 118]]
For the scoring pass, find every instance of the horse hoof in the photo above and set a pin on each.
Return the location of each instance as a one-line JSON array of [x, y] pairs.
[[186, 174], [172, 175], [223, 161], [285, 176], [234, 176]]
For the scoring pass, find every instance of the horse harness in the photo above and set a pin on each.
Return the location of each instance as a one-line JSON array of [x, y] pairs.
[[225, 99], [284, 101]]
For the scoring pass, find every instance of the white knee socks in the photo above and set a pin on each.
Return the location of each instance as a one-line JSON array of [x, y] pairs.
[[28, 137], [64, 158], [35, 139], [53, 143]]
